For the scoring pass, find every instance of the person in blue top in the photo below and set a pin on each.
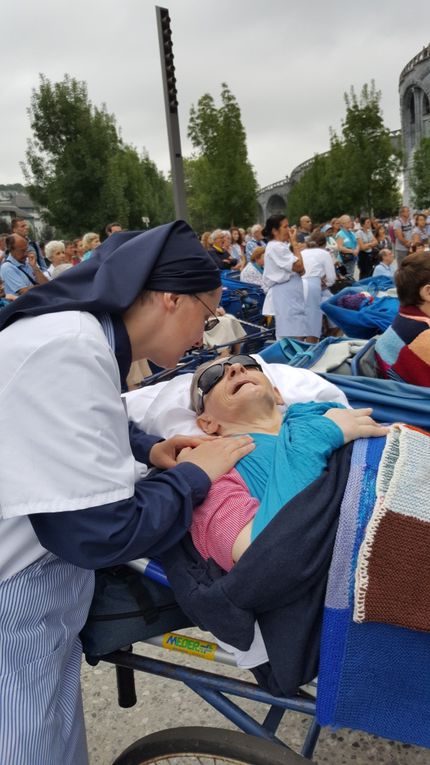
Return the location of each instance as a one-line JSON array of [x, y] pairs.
[[72, 495], [387, 266], [21, 226], [347, 245], [20, 270]]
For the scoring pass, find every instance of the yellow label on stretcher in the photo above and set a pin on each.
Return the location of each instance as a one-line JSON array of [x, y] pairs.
[[184, 644]]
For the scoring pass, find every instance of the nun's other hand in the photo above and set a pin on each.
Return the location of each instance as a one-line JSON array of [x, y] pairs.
[[164, 454], [218, 456]]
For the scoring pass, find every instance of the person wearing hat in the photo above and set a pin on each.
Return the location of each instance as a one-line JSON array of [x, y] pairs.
[[331, 244], [72, 498]]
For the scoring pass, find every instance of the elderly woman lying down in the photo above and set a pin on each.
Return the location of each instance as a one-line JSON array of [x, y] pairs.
[[232, 397]]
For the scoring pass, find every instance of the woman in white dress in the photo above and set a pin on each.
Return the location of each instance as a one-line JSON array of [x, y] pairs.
[[283, 268], [319, 275]]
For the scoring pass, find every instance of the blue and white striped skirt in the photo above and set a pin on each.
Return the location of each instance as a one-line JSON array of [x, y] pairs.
[[42, 610]]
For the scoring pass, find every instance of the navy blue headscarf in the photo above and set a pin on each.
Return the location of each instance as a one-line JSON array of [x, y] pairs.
[[168, 258]]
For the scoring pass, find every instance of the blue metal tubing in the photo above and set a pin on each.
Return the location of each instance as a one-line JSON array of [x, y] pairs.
[[235, 714], [273, 718], [219, 683], [151, 569], [311, 739]]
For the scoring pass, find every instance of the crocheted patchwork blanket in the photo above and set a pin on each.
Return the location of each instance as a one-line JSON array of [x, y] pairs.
[[375, 675], [393, 571]]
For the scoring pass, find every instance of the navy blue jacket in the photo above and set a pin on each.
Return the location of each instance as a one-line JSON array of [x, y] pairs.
[[280, 580]]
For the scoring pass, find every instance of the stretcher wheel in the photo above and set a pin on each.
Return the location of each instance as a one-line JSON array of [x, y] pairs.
[[211, 746]]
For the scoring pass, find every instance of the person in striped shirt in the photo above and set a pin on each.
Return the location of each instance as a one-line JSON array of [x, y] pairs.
[[403, 350]]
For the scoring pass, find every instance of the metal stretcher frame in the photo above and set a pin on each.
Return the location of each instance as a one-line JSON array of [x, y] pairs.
[[209, 686]]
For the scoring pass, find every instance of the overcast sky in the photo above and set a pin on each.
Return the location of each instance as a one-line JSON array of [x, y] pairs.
[[288, 62]]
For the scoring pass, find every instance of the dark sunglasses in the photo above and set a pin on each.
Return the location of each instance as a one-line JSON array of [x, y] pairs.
[[209, 323], [212, 375]]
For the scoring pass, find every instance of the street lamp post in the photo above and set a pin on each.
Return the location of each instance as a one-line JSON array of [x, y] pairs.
[[171, 105]]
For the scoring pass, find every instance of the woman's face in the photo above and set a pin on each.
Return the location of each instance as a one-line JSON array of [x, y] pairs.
[[235, 235], [58, 256], [282, 234], [94, 243], [381, 232], [421, 221], [366, 224], [165, 325]]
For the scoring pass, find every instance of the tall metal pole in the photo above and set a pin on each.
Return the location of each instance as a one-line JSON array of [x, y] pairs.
[[171, 105]]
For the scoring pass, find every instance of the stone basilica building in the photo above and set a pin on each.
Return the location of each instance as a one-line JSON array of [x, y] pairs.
[[414, 93]]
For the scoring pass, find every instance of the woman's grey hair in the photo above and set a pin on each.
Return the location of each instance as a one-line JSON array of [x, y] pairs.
[[52, 246], [216, 234], [255, 228]]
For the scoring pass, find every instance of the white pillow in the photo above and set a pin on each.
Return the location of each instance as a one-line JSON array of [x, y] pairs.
[[164, 409]]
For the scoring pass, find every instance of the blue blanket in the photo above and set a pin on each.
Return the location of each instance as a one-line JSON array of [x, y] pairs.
[[373, 677], [372, 318]]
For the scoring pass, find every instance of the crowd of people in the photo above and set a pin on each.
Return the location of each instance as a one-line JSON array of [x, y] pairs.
[[298, 266], [357, 245], [26, 263]]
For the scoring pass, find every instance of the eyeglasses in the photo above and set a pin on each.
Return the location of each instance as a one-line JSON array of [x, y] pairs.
[[212, 375], [209, 323]]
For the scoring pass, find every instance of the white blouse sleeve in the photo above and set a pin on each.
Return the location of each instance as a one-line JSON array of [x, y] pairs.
[[67, 444], [278, 264], [329, 270]]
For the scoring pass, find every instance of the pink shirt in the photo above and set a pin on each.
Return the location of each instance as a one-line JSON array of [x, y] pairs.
[[218, 521]]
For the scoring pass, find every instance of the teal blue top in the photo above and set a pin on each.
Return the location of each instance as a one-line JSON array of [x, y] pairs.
[[282, 466]]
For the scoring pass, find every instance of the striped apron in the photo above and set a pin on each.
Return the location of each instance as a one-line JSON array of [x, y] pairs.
[[42, 610]]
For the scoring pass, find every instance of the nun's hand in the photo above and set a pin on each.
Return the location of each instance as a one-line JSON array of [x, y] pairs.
[[218, 456], [164, 454]]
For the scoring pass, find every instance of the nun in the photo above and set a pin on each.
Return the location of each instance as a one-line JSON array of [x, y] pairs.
[[283, 269], [71, 495]]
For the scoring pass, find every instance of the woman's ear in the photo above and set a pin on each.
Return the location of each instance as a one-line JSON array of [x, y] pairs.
[[170, 300], [208, 424], [425, 293]]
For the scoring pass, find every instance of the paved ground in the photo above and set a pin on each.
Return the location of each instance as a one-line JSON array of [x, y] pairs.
[[165, 703]]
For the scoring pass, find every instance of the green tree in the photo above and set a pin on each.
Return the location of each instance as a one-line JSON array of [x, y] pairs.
[[360, 172], [220, 180], [373, 162], [420, 175], [79, 169]]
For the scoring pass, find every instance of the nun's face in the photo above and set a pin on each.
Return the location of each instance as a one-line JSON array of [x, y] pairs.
[[164, 325]]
